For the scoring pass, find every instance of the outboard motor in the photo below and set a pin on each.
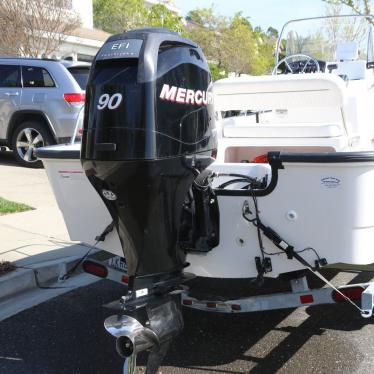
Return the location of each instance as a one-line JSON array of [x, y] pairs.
[[148, 133]]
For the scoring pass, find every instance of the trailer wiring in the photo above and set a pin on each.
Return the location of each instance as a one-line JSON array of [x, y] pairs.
[[211, 175], [63, 277], [98, 239], [236, 175], [241, 178], [68, 274], [232, 181], [257, 222], [201, 182], [345, 297]]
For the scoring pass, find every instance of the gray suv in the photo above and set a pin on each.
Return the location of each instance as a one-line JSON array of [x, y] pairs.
[[40, 103]]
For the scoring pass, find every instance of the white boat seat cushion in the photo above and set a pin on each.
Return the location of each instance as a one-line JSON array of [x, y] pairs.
[[297, 130], [279, 91]]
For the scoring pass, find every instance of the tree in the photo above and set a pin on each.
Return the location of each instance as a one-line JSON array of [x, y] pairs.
[[345, 28], [116, 16], [216, 72], [266, 45], [232, 44], [361, 7], [264, 61], [239, 47], [34, 28], [207, 18], [207, 31], [342, 29], [271, 32], [253, 48], [160, 16]]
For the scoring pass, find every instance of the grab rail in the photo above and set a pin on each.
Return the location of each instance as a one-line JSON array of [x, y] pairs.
[[276, 160]]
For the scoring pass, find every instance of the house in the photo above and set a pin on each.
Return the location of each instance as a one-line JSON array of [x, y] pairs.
[[84, 42]]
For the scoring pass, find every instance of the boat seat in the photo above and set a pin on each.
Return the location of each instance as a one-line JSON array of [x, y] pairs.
[[296, 130], [348, 63], [353, 70], [280, 91]]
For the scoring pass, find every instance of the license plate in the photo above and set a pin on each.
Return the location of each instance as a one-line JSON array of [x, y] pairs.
[[118, 263]]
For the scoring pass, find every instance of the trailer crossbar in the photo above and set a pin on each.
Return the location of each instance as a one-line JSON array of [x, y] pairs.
[[300, 295], [361, 294]]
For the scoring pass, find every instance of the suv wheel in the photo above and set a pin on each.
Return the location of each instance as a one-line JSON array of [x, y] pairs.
[[26, 137]]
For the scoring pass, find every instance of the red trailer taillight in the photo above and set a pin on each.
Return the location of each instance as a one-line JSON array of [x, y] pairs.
[[95, 269], [353, 293]]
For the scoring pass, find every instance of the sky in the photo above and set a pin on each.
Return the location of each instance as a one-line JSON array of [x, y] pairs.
[[262, 13]]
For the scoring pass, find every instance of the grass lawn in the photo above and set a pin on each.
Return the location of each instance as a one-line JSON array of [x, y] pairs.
[[7, 207]]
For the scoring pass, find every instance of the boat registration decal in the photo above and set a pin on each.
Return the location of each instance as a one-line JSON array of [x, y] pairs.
[[330, 182], [118, 263]]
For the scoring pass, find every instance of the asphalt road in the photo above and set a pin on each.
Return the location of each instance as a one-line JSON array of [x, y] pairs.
[[66, 335]]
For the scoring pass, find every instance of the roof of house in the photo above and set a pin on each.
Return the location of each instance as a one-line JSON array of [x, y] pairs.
[[94, 34]]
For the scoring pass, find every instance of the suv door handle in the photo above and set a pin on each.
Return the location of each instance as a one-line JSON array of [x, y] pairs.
[[11, 93]]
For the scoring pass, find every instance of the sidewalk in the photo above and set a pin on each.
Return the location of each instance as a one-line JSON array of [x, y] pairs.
[[38, 235]]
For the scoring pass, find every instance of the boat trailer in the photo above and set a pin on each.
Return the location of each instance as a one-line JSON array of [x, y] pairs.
[[133, 337]]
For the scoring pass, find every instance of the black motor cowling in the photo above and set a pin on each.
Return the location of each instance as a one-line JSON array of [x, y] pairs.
[[148, 132]]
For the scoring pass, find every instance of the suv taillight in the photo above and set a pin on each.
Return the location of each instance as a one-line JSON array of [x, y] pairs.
[[75, 98]]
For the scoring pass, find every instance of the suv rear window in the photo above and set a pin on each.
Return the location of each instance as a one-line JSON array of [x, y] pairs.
[[9, 76], [80, 74], [36, 77]]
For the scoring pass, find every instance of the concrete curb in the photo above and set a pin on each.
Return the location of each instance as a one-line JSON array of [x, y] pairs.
[[23, 279]]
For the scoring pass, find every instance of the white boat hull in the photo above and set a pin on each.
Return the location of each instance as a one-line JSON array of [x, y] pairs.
[[324, 206], [337, 221], [85, 214]]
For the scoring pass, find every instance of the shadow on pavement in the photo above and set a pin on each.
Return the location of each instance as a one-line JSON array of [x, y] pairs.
[[7, 159], [66, 335], [215, 339]]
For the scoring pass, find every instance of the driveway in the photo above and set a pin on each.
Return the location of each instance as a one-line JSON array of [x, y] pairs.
[[29, 186], [66, 335], [37, 235]]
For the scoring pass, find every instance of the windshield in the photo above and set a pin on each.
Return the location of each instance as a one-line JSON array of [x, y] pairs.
[[323, 37], [80, 74]]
